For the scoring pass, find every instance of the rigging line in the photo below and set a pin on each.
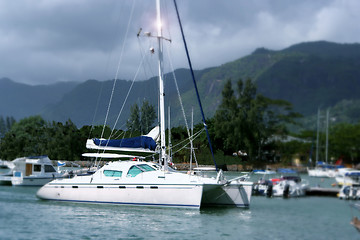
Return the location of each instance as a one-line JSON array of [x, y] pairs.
[[167, 17], [141, 54], [102, 82], [147, 66], [118, 68], [116, 137], [193, 137], [195, 85], [183, 147], [120, 135], [127, 95], [181, 104], [179, 95], [96, 109]]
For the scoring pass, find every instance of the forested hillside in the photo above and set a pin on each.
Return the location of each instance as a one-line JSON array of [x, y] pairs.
[[309, 75], [21, 100]]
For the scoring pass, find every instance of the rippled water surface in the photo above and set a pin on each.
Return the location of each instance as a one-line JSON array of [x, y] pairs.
[[23, 216]]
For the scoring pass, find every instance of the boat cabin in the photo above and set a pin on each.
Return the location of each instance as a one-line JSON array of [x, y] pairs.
[[127, 169], [33, 166]]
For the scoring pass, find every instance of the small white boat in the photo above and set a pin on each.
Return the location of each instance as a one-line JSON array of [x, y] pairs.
[[318, 172], [264, 185], [323, 170], [290, 185], [350, 182], [350, 192], [31, 171], [347, 177]]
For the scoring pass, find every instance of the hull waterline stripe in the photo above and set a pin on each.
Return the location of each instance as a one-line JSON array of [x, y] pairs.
[[126, 203]]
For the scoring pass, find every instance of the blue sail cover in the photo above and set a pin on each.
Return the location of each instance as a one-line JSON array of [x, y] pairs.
[[135, 142]]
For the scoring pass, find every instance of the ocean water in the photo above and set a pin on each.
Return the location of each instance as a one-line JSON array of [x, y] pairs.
[[23, 216]]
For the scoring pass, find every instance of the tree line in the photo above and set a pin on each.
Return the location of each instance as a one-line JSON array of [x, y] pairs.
[[6, 124], [247, 127], [34, 136]]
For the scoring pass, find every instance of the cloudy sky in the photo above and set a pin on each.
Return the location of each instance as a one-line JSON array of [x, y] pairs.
[[46, 41]]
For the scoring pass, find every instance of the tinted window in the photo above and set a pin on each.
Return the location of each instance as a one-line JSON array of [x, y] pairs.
[[49, 168], [112, 173], [145, 167], [133, 171], [37, 168]]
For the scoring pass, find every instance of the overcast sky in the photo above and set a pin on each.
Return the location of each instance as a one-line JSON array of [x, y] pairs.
[[46, 41]]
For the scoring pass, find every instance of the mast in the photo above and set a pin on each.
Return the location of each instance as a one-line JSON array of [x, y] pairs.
[[169, 138], [161, 87], [327, 136], [317, 136], [191, 138]]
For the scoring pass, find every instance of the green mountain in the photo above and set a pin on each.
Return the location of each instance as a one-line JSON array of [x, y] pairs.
[[310, 75], [22, 100], [88, 102]]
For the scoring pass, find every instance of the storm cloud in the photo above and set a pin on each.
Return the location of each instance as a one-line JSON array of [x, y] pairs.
[[43, 42]]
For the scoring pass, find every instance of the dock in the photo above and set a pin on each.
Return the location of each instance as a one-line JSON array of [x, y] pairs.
[[318, 191]]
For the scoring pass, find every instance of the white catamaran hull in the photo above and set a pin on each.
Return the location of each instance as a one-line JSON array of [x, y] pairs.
[[187, 196], [149, 188]]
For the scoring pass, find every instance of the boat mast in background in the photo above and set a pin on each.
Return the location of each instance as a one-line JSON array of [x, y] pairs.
[[169, 138], [327, 136], [317, 136]]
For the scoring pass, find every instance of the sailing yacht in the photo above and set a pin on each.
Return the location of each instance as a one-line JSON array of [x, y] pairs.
[[137, 182], [323, 169]]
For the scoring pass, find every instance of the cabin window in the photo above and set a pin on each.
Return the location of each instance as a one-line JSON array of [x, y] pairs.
[[112, 173], [37, 168], [145, 167], [134, 171], [49, 168]]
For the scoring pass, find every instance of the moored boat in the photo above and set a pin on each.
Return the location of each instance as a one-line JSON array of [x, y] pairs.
[[264, 185], [147, 184], [290, 185], [31, 171], [347, 177]]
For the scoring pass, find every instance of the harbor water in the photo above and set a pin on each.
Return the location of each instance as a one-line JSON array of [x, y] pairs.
[[23, 216]]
